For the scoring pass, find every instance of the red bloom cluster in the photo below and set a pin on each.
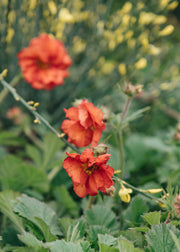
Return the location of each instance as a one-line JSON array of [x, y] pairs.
[[44, 62], [89, 173], [85, 124]]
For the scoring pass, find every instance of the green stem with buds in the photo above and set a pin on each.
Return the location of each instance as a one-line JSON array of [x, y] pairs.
[[31, 109], [13, 83]]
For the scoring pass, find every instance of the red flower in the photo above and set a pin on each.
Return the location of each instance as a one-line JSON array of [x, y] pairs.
[[44, 62], [89, 173], [85, 124]]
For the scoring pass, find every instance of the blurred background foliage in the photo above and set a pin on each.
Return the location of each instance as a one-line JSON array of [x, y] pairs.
[[111, 43]]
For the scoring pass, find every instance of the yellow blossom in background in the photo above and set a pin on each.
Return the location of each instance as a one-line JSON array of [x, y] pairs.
[[133, 20], [52, 7], [163, 3], [155, 92], [164, 86], [160, 19], [172, 5], [140, 5], [10, 34], [145, 43], [124, 194], [126, 8], [140, 64], [107, 68], [79, 45], [153, 50], [112, 44], [122, 69], [12, 17], [131, 43], [129, 34], [146, 18], [65, 17], [32, 4], [120, 39], [125, 20], [167, 30]]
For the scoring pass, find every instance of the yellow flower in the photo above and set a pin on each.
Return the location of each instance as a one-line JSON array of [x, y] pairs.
[[65, 16], [146, 18], [122, 69], [163, 3], [140, 64], [10, 34], [160, 19], [167, 30], [154, 50], [124, 194], [126, 7], [172, 6], [52, 7]]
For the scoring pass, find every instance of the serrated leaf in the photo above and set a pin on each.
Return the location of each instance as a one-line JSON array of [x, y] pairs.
[[45, 228], [30, 208], [31, 241], [159, 238], [176, 240], [18, 176], [105, 248], [94, 231], [136, 208], [134, 236], [152, 218], [65, 223], [73, 233], [64, 198], [85, 245], [7, 201], [127, 246], [94, 216], [61, 245], [107, 240]]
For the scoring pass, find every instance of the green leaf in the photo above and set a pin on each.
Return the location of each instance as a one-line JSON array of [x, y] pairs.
[[159, 238], [7, 202], [152, 218], [34, 210], [127, 246], [52, 144], [62, 246], [138, 113], [134, 236], [73, 233], [176, 240], [64, 198], [94, 231], [107, 243], [35, 154], [31, 241], [157, 144], [140, 229], [18, 176], [136, 208], [94, 216], [64, 224], [46, 231], [9, 138]]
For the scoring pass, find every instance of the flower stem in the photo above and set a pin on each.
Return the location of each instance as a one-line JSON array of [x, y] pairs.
[[120, 137], [91, 199], [13, 83], [139, 190], [17, 97]]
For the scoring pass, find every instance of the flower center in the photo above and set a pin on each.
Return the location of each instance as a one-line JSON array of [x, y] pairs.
[[89, 170], [42, 65]]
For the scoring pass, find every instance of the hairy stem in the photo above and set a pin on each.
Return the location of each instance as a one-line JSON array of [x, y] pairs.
[[17, 97]]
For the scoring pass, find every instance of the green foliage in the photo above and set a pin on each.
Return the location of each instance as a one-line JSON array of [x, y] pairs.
[[159, 238], [39, 214], [17, 175]]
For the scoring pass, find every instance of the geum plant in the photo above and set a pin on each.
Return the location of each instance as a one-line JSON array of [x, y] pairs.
[[44, 65]]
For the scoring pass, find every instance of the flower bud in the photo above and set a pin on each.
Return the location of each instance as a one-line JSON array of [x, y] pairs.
[[110, 191], [100, 149], [177, 136]]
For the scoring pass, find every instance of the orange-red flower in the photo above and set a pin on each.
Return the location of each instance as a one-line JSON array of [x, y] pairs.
[[44, 62], [89, 173], [85, 124]]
